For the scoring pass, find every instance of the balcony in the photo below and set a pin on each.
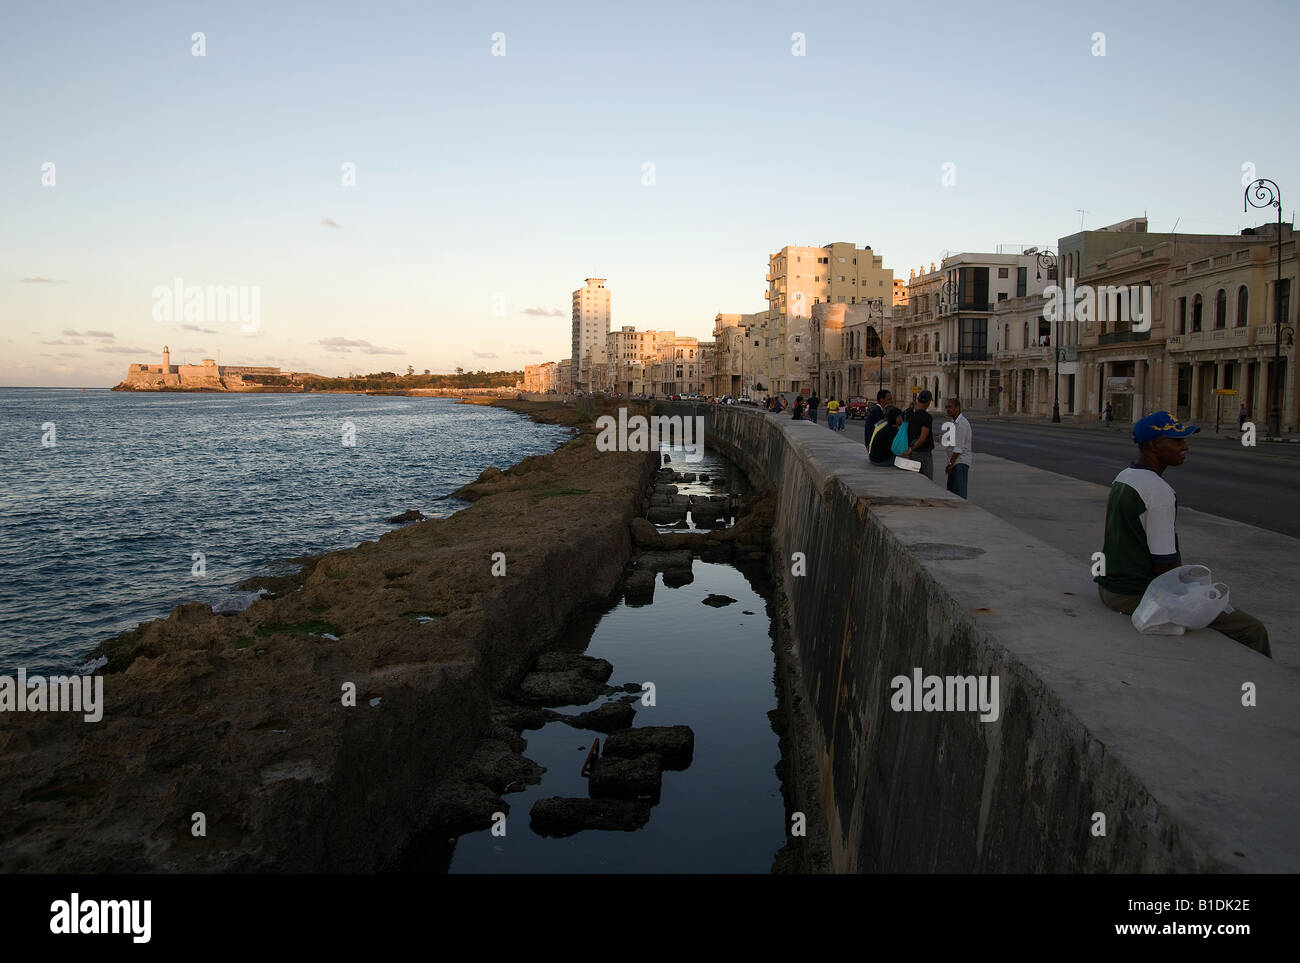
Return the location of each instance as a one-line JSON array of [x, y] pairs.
[[1116, 337], [1214, 338]]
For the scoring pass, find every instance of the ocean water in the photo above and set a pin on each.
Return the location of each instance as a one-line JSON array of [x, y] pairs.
[[105, 528]]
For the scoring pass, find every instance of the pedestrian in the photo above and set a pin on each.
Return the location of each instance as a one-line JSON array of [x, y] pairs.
[[1141, 537], [880, 448], [832, 414], [920, 432], [884, 398], [813, 402], [1109, 414], [1242, 416], [799, 406], [959, 460]]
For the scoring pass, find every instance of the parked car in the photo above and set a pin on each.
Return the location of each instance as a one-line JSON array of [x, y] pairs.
[[857, 407]]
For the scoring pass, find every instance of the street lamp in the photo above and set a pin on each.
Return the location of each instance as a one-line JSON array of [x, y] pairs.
[[1046, 259], [1266, 192], [949, 291]]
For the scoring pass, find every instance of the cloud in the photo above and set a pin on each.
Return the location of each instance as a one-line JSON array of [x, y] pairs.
[[195, 327], [378, 350], [105, 335], [343, 343], [125, 349], [545, 312], [61, 341], [330, 222], [484, 354], [528, 351], [38, 280]]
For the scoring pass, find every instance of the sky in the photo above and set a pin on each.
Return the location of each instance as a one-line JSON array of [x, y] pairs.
[[500, 155]]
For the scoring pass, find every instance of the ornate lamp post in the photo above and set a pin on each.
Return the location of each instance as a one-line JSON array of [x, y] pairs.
[[1046, 259], [949, 291], [1263, 193]]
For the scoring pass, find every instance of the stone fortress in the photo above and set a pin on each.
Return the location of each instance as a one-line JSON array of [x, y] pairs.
[[208, 376]]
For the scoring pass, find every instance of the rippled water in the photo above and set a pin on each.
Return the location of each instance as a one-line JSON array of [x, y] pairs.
[[99, 531]]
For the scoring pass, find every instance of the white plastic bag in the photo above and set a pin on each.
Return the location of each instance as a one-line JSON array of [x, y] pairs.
[[907, 464], [1182, 598]]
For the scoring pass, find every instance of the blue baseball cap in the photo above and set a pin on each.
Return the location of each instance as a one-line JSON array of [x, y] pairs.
[[1161, 424]]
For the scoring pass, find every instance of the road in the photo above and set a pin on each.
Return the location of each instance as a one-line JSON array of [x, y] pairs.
[[1221, 477]]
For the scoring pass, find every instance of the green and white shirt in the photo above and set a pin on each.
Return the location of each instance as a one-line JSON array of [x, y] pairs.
[[1139, 530]]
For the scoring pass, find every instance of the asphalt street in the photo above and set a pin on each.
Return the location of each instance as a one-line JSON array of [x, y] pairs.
[[1257, 485]]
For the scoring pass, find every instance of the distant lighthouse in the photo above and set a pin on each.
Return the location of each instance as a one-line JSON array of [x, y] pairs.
[[167, 360]]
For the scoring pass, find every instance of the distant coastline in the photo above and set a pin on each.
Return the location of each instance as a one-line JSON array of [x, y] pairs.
[[212, 377]]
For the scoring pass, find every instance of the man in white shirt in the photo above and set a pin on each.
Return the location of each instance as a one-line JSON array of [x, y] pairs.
[[959, 459]]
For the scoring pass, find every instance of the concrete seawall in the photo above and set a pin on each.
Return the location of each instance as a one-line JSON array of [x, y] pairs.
[[1149, 732]]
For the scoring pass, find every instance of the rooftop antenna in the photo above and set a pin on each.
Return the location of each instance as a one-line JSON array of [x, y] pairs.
[[1174, 229], [1081, 213]]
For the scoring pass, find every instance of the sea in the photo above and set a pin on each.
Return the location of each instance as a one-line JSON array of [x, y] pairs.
[[116, 507]]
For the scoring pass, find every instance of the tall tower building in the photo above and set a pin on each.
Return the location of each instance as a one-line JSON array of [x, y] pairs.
[[590, 329]]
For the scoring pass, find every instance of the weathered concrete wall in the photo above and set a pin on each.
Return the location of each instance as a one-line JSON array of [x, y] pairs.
[[1094, 718]]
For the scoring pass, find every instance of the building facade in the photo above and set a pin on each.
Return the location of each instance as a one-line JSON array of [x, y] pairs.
[[591, 314]]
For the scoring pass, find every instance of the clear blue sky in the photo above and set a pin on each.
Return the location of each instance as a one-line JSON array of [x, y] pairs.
[[521, 175]]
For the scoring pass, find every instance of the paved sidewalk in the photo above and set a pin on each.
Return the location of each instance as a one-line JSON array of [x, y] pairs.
[[1261, 568], [1227, 428]]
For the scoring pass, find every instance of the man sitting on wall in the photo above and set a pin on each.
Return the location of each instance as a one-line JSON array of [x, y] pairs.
[[1141, 542]]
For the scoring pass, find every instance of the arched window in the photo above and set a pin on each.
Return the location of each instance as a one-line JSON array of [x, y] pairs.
[[1196, 313], [1221, 309], [1025, 338], [1243, 305], [927, 344]]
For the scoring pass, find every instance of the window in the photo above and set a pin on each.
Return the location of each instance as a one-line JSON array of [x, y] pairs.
[[855, 260], [1022, 281], [1003, 273], [1221, 309], [1284, 299], [1002, 296], [796, 339], [1196, 313], [974, 339], [1182, 318], [841, 260], [1026, 335], [1243, 303], [841, 278]]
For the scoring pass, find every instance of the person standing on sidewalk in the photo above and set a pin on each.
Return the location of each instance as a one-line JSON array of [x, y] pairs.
[[832, 414], [1110, 413], [1242, 417], [884, 398], [1141, 540], [813, 402], [920, 432], [959, 460]]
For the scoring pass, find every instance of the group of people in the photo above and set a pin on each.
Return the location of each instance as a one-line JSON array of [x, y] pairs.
[[805, 409], [909, 433]]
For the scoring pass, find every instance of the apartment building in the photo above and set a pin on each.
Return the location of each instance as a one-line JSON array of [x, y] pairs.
[[799, 278], [591, 313]]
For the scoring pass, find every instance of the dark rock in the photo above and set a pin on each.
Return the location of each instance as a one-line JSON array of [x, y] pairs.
[[463, 807], [704, 519], [718, 601], [605, 718], [663, 561], [667, 515], [672, 745], [659, 501], [559, 661], [408, 516], [703, 477], [631, 687], [570, 688], [639, 588], [677, 577], [558, 816], [626, 778], [524, 717], [746, 612], [488, 474], [499, 767], [644, 534]]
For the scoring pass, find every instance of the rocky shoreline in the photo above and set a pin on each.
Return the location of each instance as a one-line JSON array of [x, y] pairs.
[[318, 729]]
